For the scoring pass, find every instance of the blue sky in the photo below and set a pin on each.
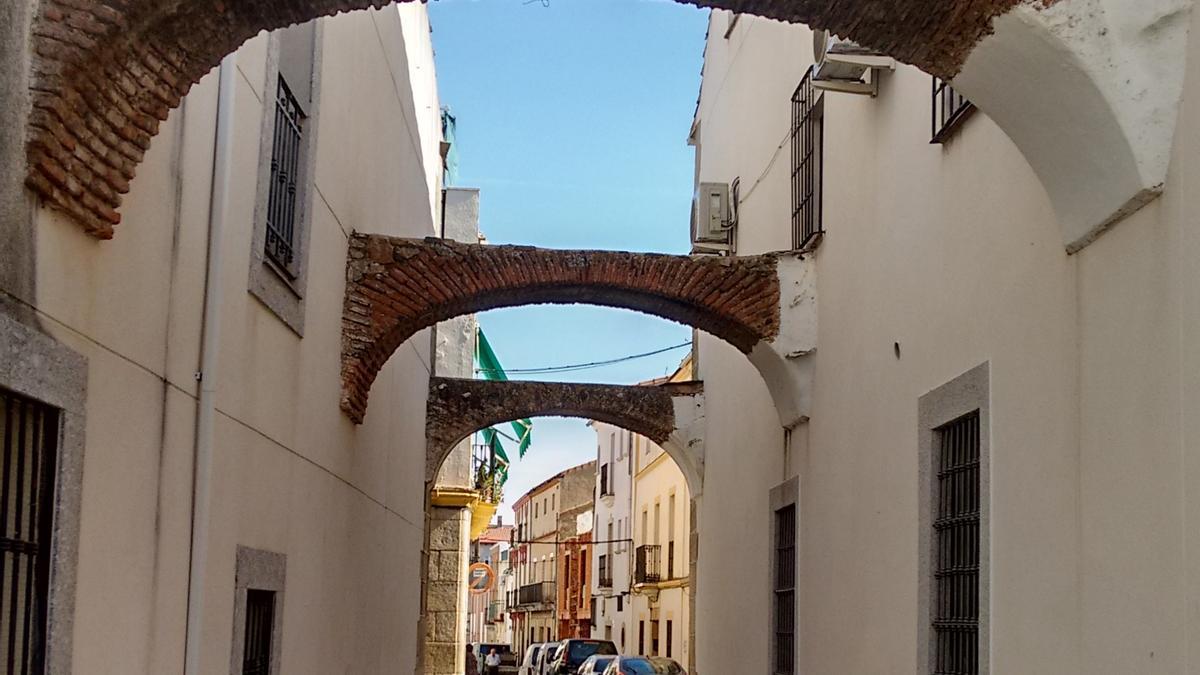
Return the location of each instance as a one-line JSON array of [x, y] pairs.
[[572, 120]]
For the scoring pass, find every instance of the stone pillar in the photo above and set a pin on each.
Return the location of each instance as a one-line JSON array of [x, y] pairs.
[[446, 555], [444, 591]]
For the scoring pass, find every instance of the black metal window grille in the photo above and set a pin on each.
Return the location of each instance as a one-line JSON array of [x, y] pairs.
[[30, 436], [260, 621], [950, 110], [669, 636], [648, 564], [641, 638], [282, 209], [807, 162], [785, 591], [605, 572], [605, 489], [956, 541]]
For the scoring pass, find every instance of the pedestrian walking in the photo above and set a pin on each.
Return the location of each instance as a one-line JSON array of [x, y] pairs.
[[472, 661], [492, 663]]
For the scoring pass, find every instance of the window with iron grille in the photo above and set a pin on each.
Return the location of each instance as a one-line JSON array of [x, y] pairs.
[[641, 638], [807, 162], [260, 622], [950, 110], [29, 432], [669, 638], [785, 591], [956, 546], [285, 168]]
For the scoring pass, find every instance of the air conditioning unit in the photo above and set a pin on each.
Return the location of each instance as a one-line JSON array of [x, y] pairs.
[[711, 227], [845, 66]]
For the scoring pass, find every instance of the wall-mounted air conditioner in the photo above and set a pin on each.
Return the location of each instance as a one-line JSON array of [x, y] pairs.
[[712, 230], [845, 66]]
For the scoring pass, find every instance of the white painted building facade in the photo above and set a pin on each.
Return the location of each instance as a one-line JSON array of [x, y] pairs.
[[612, 555], [946, 297]]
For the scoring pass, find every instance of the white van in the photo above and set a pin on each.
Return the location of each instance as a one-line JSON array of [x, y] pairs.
[[546, 657], [531, 665]]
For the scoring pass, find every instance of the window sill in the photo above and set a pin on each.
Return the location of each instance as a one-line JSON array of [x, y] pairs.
[[280, 294]]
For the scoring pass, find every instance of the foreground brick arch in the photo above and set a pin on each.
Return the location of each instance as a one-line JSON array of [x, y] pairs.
[[663, 413], [106, 73], [396, 287]]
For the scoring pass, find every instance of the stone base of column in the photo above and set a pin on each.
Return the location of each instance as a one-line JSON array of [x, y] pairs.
[[444, 591]]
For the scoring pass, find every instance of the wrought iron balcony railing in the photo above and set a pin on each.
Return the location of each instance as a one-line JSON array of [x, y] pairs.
[[534, 594], [648, 564]]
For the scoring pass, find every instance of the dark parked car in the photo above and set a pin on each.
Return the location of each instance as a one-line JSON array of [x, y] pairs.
[[644, 665], [573, 652], [595, 664]]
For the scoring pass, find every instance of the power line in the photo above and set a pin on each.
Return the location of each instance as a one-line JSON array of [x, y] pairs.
[[581, 366]]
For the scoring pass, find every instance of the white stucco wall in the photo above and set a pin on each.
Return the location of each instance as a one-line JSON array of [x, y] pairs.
[[659, 484], [954, 253], [291, 473], [612, 447]]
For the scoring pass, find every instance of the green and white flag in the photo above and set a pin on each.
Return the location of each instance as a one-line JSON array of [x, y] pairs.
[[489, 368]]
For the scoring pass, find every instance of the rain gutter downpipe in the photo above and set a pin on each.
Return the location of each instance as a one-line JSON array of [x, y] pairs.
[[206, 407]]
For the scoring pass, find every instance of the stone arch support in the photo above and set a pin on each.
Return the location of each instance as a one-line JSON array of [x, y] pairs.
[[670, 414], [396, 287]]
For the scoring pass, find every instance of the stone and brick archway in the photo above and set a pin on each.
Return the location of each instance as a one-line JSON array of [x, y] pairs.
[[396, 287], [103, 75], [670, 414]]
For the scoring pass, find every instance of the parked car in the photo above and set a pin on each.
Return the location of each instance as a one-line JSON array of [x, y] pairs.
[[508, 660], [546, 657], [644, 665], [530, 665], [595, 664], [571, 654]]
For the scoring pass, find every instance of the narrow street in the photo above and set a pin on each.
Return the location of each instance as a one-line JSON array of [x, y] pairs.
[[584, 337]]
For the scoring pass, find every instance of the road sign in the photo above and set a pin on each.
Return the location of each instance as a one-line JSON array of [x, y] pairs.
[[480, 578]]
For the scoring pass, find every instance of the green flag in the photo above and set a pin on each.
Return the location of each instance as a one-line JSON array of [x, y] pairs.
[[490, 369]]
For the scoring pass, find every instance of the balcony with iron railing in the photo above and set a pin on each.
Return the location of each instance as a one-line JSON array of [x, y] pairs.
[[536, 594], [648, 564]]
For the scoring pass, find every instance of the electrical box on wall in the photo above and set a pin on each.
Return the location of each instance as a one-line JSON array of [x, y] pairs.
[[712, 229]]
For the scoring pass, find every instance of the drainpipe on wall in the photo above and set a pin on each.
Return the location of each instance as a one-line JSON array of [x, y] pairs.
[[209, 348]]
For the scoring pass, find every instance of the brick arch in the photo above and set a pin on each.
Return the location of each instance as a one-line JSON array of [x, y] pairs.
[[106, 73], [664, 413], [397, 287]]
